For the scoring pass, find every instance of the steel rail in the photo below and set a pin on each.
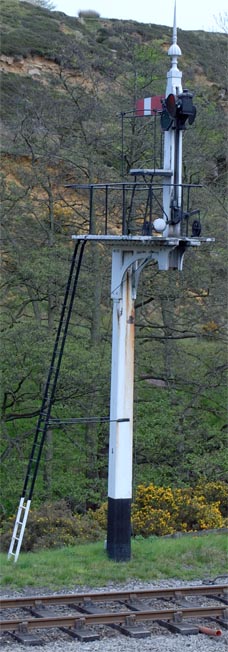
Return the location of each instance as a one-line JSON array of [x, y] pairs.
[[110, 618], [107, 596]]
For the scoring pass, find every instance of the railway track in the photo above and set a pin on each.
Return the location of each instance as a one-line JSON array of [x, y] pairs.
[[186, 610]]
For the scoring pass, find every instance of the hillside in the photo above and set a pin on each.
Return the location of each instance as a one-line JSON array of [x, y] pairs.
[[65, 84]]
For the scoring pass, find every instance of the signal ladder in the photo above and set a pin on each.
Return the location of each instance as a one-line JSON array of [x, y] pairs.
[[47, 401]]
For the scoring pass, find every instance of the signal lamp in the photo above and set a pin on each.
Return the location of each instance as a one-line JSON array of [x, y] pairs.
[[159, 224], [180, 109], [171, 105], [185, 109], [166, 120]]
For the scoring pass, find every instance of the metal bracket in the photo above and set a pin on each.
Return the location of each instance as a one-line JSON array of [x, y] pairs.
[[121, 262], [165, 257]]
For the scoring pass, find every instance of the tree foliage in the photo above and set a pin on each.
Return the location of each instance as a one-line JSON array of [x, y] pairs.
[[62, 97]]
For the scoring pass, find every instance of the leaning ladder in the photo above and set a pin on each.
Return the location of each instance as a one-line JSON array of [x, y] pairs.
[[47, 401]]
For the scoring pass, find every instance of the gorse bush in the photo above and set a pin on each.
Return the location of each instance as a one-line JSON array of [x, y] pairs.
[[156, 511], [160, 511], [215, 492], [100, 515]]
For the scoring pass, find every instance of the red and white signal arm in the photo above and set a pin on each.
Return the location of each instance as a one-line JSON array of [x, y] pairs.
[[149, 105]]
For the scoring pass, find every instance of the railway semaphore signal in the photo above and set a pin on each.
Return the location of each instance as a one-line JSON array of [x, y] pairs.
[[155, 217]]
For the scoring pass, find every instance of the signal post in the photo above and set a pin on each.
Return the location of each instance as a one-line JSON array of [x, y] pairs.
[[167, 248], [121, 407]]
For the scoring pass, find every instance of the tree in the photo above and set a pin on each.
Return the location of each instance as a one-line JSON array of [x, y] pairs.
[[46, 4], [35, 271], [62, 128], [222, 22]]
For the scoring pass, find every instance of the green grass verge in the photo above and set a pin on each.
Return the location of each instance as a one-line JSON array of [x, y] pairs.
[[152, 559]]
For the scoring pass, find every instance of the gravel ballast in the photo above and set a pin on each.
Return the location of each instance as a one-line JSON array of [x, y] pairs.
[[198, 643]]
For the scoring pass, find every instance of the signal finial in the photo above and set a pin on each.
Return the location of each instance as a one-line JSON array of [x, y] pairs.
[[174, 50], [174, 75]]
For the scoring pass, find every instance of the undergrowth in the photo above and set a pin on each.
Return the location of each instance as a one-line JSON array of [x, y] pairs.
[[156, 511]]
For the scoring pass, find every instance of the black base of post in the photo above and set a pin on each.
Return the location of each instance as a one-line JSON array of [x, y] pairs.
[[119, 529]]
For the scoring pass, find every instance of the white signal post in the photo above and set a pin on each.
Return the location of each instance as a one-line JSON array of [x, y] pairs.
[[124, 266], [125, 274], [173, 140], [121, 407]]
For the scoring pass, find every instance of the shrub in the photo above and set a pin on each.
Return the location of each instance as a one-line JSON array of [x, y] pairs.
[[149, 521], [52, 526], [187, 509], [157, 497], [100, 515], [159, 510], [209, 516], [156, 511], [162, 510], [215, 492]]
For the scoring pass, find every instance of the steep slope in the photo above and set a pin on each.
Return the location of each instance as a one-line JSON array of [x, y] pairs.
[[66, 82]]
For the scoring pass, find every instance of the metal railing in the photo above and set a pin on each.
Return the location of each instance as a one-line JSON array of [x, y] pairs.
[[129, 208]]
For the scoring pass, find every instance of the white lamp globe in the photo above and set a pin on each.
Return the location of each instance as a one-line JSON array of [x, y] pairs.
[[159, 225]]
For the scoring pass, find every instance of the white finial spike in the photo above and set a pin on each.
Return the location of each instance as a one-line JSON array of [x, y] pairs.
[[174, 50], [174, 75], [175, 25]]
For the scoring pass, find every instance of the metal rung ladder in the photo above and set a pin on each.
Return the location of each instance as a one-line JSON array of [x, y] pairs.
[[47, 402], [19, 528]]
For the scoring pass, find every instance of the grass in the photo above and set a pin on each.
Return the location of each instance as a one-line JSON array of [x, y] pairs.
[[87, 564]]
